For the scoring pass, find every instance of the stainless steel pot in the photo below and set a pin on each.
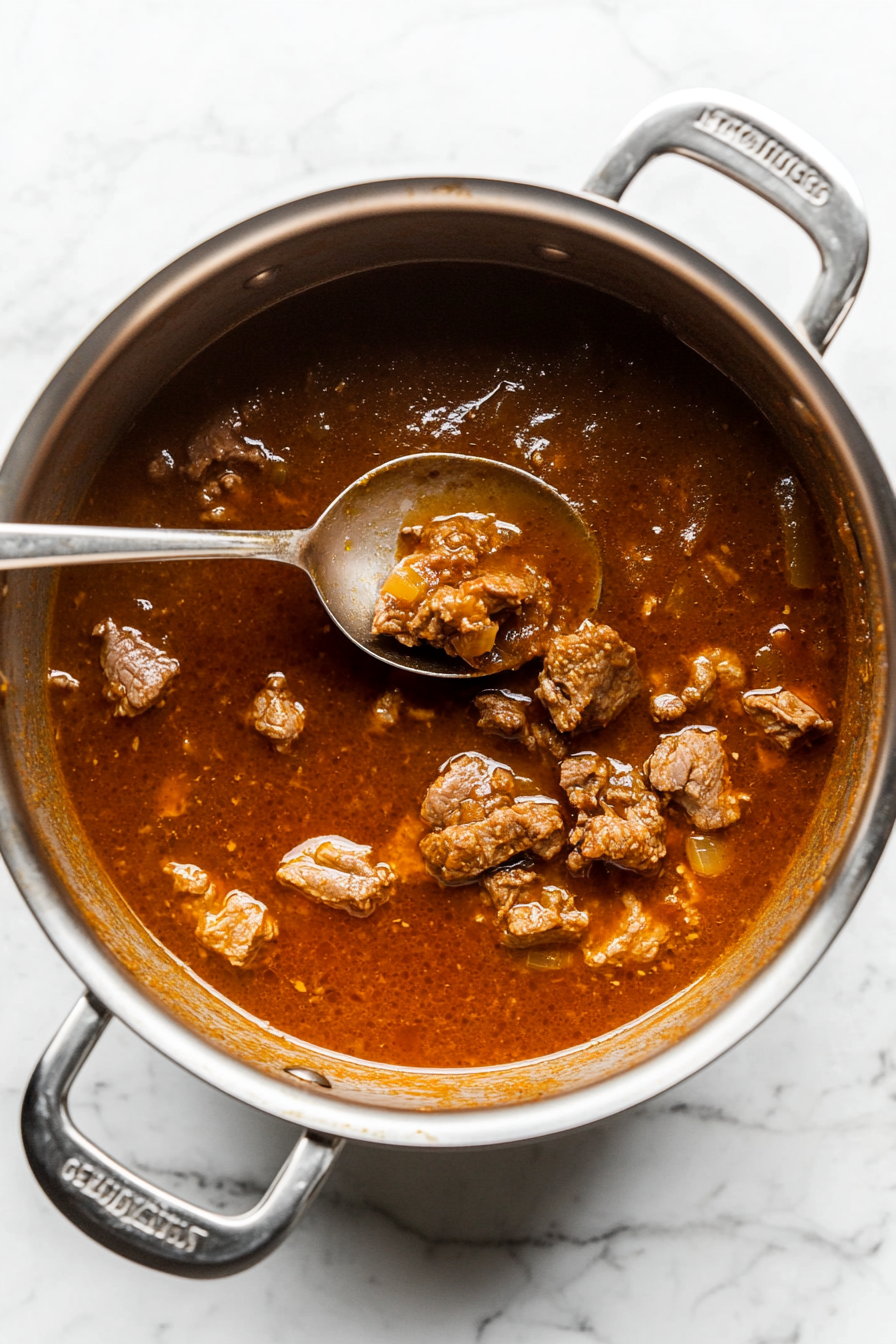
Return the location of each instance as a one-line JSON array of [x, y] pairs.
[[588, 238]]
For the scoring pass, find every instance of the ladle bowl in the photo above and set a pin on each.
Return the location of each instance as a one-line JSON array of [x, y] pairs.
[[350, 550]]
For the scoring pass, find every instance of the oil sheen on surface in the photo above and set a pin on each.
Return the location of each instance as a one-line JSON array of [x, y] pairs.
[[672, 468]]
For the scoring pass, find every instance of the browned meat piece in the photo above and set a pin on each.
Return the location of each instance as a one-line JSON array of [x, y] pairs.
[[188, 879], [338, 873], [459, 620], [702, 682], [619, 818], [691, 768], [235, 927], [161, 467], [728, 667], [583, 778], [457, 586], [712, 667], [530, 913], [62, 681], [506, 886], [588, 678], [548, 739], [479, 822], [506, 714], [217, 508], [461, 852], [137, 674], [455, 543], [638, 937], [277, 714], [219, 441], [469, 787], [785, 717], [387, 710], [503, 713], [666, 708]]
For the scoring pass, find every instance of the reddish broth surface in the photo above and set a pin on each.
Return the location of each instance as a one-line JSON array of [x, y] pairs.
[[659, 453]]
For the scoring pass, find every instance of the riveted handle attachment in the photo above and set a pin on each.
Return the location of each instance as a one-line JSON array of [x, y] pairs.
[[130, 1215], [764, 152]]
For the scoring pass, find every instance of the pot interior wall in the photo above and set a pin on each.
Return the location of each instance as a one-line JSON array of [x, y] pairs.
[[197, 300]]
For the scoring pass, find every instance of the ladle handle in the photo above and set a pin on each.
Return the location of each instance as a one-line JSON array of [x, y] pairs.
[[128, 1214], [32, 545], [764, 152]]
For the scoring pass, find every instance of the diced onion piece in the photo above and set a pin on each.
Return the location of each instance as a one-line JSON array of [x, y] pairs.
[[726, 572], [800, 539], [476, 642], [405, 584], [680, 597], [548, 958], [708, 855]]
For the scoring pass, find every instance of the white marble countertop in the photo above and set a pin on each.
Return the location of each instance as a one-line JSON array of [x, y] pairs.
[[756, 1202]]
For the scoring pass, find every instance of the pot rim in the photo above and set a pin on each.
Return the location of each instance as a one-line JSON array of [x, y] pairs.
[[523, 1121]]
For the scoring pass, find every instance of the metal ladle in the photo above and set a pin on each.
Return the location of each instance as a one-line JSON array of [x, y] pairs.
[[350, 550]]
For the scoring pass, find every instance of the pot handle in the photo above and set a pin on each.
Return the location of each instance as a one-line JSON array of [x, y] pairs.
[[126, 1213], [764, 152]]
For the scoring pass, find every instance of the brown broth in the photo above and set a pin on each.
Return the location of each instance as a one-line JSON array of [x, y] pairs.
[[661, 455]]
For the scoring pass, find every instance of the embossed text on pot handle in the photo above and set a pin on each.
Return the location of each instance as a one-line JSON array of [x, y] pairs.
[[130, 1215], [773, 158]]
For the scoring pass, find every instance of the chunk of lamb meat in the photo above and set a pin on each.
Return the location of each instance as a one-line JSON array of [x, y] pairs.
[[548, 739], [338, 873], [708, 669], [234, 926], [189, 879], [588, 678], [277, 714], [387, 711], [506, 714], [503, 713], [137, 673], [461, 853], [479, 822], [666, 707], [785, 717], [728, 667], [455, 588], [701, 682], [62, 681], [619, 818], [468, 788], [638, 937], [691, 768], [530, 914], [219, 440]]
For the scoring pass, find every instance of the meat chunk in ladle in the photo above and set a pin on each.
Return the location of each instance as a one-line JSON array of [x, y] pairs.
[[351, 549]]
